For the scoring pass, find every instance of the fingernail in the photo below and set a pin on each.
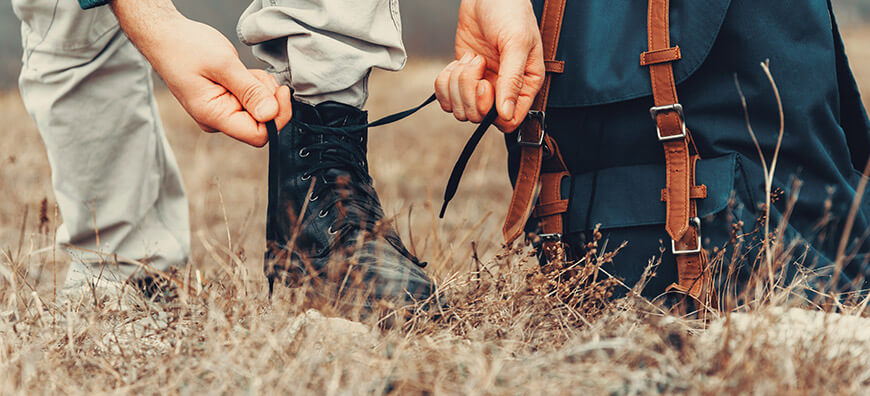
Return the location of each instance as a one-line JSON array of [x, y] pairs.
[[465, 58], [481, 89], [477, 60], [266, 109], [508, 107]]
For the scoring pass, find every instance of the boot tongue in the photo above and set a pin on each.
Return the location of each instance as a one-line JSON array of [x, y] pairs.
[[336, 114]]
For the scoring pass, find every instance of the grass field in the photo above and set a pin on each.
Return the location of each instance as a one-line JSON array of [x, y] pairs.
[[507, 331]]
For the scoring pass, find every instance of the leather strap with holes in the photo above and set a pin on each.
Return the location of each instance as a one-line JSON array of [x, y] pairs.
[[680, 193], [533, 158]]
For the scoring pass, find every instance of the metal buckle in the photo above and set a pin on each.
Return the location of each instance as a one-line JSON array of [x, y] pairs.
[[552, 247], [696, 222], [654, 112], [550, 237], [539, 116]]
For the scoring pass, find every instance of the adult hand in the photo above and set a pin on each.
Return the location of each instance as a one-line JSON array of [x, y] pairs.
[[203, 71], [500, 60]]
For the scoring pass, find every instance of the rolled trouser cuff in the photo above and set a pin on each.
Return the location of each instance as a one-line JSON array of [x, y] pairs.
[[325, 49]]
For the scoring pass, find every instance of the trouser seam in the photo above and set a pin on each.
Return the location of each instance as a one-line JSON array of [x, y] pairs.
[[44, 35]]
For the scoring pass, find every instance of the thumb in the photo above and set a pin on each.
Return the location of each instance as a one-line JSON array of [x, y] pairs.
[[512, 68], [257, 98]]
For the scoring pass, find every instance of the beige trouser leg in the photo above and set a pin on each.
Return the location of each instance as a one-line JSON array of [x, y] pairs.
[[325, 49], [114, 176]]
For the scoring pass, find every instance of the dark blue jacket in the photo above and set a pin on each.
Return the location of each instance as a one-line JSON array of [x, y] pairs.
[[93, 3], [599, 113]]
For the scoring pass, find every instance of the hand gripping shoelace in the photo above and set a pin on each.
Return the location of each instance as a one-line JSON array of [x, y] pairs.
[[336, 156]]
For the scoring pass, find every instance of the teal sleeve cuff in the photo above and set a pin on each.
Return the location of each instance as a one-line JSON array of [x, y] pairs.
[[93, 3]]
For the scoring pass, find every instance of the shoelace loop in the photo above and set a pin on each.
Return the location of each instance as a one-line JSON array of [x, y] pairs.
[[336, 155]]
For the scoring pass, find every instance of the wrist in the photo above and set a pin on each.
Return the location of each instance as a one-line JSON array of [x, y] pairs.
[[143, 9], [146, 22]]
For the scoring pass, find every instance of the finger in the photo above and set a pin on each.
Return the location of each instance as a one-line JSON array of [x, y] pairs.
[[265, 77], [524, 104], [282, 95], [484, 97], [234, 121], [512, 68], [469, 81], [455, 94], [206, 128], [506, 126], [533, 81], [442, 87], [255, 96], [285, 110]]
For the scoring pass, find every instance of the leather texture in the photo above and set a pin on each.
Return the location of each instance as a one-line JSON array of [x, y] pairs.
[[324, 212], [660, 56], [554, 66], [693, 276], [526, 186], [669, 123], [551, 207]]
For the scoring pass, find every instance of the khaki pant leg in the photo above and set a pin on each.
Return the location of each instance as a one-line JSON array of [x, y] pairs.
[[115, 178], [325, 49]]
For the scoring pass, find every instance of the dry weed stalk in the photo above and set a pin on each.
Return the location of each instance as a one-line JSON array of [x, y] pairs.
[[508, 325]]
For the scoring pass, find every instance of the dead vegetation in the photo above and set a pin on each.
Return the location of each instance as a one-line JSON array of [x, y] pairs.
[[508, 325]]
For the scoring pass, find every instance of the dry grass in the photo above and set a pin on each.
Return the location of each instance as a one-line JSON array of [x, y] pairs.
[[510, 328]]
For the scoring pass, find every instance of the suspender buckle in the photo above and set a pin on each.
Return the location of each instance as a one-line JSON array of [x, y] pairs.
[[676, 107], [553, 248], [550, 237], [541, 118], [695, 222]]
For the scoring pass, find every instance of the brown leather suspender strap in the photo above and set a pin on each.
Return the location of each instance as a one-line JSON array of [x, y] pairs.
[[680, 193], [533, 139], [542, 168], [667, 113]]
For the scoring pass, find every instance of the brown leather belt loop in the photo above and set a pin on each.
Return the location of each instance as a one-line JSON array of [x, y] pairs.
[[554, 66], [660, 56], [549, 211], [551, 206], [680, 192], [532, 136]]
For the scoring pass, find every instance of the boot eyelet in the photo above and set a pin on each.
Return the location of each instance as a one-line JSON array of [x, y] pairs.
[[362, 139], [323, 213], [314, 198], [304, 153], [306, 177]]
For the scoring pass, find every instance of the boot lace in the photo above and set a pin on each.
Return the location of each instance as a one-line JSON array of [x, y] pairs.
[[339, 151], [341, 160]]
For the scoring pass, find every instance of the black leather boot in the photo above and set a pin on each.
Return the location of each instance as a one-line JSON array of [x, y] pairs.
[[325, 222]]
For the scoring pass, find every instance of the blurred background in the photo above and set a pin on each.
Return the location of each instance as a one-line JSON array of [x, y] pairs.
[[428, 26], [423, 20]]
